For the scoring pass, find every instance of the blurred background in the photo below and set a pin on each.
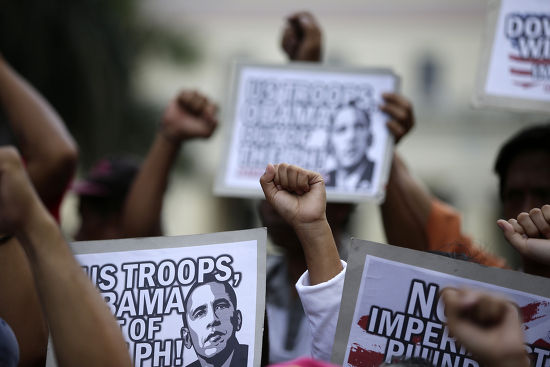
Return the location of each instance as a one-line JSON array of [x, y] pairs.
[[110, 67]]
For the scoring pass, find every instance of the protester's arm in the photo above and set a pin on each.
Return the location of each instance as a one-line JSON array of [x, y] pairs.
[[190, 115], [50, 156], [49, 151], [84, 332], [302, 38], [489, 327], [407, 206], [529, 234], [299, 197]]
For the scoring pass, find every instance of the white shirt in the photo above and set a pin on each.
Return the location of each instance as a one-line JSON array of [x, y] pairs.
[[321, 304]]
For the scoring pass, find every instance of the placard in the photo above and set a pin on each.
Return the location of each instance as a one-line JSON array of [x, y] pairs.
[[515, 63], [320, 118], [391, 308], [181, 298]]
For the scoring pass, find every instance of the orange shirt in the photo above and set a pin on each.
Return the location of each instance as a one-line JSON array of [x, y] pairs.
[[443, 231]]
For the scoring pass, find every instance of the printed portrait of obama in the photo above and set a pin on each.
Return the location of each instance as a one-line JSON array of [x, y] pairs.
[[210, 322]]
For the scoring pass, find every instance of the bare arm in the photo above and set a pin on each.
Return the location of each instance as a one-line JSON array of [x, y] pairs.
[[84, 331], [48, 148], [299, 196], [406, 210], [190, 115], [50, 155]]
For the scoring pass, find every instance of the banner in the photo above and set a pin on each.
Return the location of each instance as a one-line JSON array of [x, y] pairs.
[[391, 306], [180, 299], [320, 118], [515, 66]]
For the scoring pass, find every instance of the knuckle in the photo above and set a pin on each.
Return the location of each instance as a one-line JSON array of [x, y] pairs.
[[534, 211]]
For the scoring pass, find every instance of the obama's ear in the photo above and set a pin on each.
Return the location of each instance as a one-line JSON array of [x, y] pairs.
[[186, 336], [237, 320]]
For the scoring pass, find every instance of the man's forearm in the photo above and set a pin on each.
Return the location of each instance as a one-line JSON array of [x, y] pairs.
[[83, 329], [143, 205], [406, 209], [323, 261]]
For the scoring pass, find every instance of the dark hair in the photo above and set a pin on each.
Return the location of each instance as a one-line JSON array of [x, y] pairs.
[[352, 104], [532, 139], [210, 278]]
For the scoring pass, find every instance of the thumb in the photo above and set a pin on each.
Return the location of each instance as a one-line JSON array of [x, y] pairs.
[[267, 182], [515, 239]]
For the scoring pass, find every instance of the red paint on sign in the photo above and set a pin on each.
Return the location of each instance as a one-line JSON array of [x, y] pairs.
[[359, 357], [363, 322]]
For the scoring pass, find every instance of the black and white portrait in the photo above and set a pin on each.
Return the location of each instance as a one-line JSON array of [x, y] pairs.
[[350, 136], [210, 323], [321, 118]]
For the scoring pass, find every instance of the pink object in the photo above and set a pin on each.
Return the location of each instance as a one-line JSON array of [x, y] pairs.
[[304, 362]]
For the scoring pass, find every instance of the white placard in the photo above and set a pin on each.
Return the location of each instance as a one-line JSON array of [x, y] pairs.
[[515, 67], [391, 306], [178, 299], [323, 119]]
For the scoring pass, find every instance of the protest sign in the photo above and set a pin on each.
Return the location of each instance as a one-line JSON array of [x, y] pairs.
[[515, 61], [320, 118], [391, 307], [182, 298]]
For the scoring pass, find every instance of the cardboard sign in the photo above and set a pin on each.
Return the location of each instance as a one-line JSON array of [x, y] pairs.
[[319, 118], [515, 66], [391, 307], [179, 298]]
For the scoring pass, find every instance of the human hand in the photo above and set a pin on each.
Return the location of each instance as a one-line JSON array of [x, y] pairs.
[[189, 115], [489, 327], [18, 199], [400, 111], [530, 234], [302, 38], [298, 195]]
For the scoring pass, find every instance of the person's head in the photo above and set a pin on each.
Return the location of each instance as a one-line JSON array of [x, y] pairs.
[[102, 194], [350, 135], [523, 168], [211, 318]]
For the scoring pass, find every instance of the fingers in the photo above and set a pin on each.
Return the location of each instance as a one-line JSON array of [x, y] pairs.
[[517, 227], [293, 178], [307, 23], [290, 178], [10, 159], [396, 129], [529, 227], [267, 182], [289, 41], [512, 235], [193, 102], [471, 312], [539, 220], [400, 112], [302, 37]]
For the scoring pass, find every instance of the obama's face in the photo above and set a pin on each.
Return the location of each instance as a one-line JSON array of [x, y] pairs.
[[350, 131], [211, 319]]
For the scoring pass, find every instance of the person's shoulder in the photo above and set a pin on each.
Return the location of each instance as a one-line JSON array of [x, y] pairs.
[[194, 364]]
